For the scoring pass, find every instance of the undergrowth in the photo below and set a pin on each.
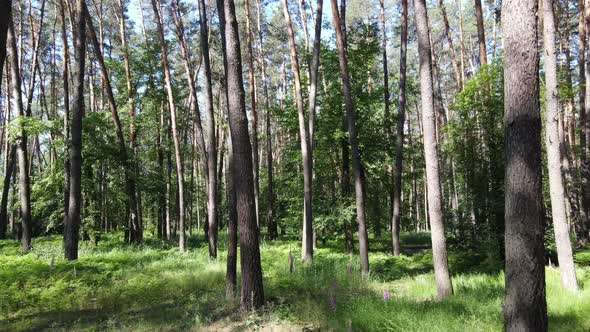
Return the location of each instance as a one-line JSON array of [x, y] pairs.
[[154, 287]]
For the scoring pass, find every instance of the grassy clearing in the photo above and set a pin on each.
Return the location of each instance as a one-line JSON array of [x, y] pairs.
[[153, 287]]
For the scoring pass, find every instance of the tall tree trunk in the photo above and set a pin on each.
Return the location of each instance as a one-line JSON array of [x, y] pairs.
[[568, 138], [190, 77], [66, 101], [10, 161], [461, 42], [36, 41], [307, 235], [21, 142], [552, 141], [5, 14], [458, 75], [481, 37], [72, 226], [582, 228], [162, 195], [232, 228], [270, 222], [254, 113], [130, 166], [387, 114], [212, 142], [233, 220], [130, 186], [173, 116], [524, 308], [313, 80], [399, 138], [252, 293], [352, 136], [585, 136], [431, 155], [345, 148]]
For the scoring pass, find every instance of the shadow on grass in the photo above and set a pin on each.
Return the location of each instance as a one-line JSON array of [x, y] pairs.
[[170, 315]]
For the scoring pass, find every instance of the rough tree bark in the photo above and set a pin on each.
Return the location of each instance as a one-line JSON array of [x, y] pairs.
[[307, 235], [585, 134], [252, 293], [352, 137], [552, 141], [431, 155], [72, 226], [524, 308], [582, 228], [5, 13], [399, 138]]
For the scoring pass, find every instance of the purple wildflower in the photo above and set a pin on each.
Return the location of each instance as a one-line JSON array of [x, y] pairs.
[[385, 295]]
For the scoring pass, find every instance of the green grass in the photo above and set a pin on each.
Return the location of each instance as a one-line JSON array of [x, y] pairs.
[[153, 287]]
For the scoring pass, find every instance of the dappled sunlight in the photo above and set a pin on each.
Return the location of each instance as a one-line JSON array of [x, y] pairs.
[[153, 287]]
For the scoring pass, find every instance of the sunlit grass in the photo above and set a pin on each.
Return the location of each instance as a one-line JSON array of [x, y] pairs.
[[154, 287]]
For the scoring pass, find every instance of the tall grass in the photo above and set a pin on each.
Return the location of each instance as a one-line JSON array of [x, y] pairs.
[[154, 287]]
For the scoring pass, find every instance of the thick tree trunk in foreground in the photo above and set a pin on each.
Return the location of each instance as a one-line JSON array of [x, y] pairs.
[[24, 181], [173, 122], [556, 188], [582, 229], [252, 293], [5, 12], [585, 135], [524, 308], [232, 226], [212, 141], [307, 235], [399, 138], [431, 155], [352, 137], [72, 227]]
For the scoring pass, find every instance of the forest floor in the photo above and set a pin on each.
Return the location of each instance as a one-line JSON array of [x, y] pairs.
[[153, 287]]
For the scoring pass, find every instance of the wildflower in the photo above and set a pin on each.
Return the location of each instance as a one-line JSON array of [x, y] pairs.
[[385, 295]]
